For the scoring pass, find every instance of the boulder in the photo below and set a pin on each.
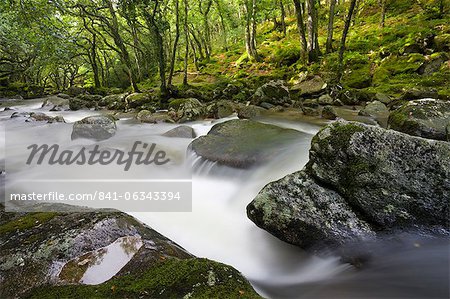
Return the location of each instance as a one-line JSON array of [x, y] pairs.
[[56, 103], [308, 111], [433, 64], [312, 103], [325, 99], [383, 98], [97, 127], [360, 181], [63, 96], [189, 109], [135, 100], [250, 112], [376, 110], [146, 116], [273, 92], [244, 143], [298, 210], [328, 112], [220, 109], [181, 132], [426, 118], [114, 102], [38, 116], [310, 87], [51, 252]]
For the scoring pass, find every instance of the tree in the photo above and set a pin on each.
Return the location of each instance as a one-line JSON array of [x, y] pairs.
[[313, 31], [348, 20], [301, 29], [329, 43]]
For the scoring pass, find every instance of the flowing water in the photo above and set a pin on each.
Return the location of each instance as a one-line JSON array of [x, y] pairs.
[[218, 227]]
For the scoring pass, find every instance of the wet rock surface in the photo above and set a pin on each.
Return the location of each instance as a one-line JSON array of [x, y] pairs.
[[426, 118], [243, 143], [360, 180], [54, 254], [94, 127]]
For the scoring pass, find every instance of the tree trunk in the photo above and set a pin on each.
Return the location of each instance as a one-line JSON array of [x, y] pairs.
[[329, 43], [186, 35], [344, 37], [283, 17], [301, 30], [313, 42], [383, 12], [175, 43], [250, 30]]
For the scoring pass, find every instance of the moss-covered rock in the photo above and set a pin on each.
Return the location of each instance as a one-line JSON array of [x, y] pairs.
[[360, 181], [189, 109], [146, 116], [170, 278], [328, 112], [357, 78], [426, 118], [244, 143], [135, 100], [250, 111], [273, 92], [309, 87], [114, 102]]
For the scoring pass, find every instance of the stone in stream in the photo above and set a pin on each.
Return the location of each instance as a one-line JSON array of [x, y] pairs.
[[56, 103], [48, 254], [244, 143], [38, 116], [181, 132], [97, 127], [359, 179], [250, 111], [376, 110], [189, 109], [328, 112], [273, 92], [426, 118]]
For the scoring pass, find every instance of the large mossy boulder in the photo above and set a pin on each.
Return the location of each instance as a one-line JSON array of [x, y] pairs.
[[273, 92], [360, 180], [135, 100], [84, 101], [244, 143], [426, 118], [189, 109], [220, 109], [50, 254], [97, 127], [114, 102], [310, 87], [149, 117]]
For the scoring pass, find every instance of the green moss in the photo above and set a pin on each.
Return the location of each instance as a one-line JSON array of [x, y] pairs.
[[359, 78], [171, 278], [26, 222]]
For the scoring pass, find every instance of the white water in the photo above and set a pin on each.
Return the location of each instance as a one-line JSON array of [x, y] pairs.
[[217, 228]]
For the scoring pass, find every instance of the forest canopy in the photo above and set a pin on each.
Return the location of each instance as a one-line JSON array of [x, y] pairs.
[[142, 44]]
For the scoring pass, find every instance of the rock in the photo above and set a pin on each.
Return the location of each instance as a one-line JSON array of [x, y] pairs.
[[442, 42], [181, 132], [146, 116], [298, 210], [230, 91], [312, 103], [56, 103], [38, 116], [189, 109], [358, 78], [392, 178], [74, 91], [310, 87], [266, 105], [385, 99], [135, 100], [415, 94], [63, 96], [311, 111], [250, 112], [337, 102], [328, 112], [433, 64], [376, 110], [114, 102], [219, 109], [426, 118], [50, 252], [97, 127], [273, 92], [325, 99], [360, 180], [413, 48], [243, 143]]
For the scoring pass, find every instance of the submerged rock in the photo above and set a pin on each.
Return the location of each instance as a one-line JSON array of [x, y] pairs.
[[181, 132], [426, 118], [56, 254], [97, 127], [359, 180], [244, 143]]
